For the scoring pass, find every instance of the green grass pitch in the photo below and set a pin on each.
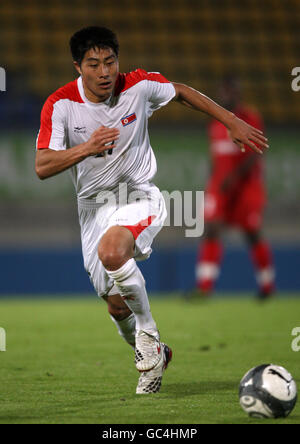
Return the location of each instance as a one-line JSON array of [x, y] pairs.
[[65, 362]]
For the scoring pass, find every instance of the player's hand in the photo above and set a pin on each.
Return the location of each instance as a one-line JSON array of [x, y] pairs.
[[243, 134], [102, 139]]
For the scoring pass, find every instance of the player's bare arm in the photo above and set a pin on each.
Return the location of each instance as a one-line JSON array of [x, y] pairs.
[[50, 162], [240, 132]]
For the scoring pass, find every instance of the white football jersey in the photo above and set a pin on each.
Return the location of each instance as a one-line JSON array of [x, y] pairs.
[[68, 119]]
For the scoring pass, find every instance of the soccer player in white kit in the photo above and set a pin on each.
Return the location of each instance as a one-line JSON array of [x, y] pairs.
[[97, 127]]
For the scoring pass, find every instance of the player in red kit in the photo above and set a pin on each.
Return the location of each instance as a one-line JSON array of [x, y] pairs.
[[235, 197]]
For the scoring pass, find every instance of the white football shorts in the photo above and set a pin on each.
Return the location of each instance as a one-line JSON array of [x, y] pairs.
[[143, 213]]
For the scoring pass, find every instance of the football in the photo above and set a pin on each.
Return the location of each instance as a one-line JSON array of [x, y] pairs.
[[268, 391]]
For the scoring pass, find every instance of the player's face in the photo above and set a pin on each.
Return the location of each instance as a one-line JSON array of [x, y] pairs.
[[99, 70]]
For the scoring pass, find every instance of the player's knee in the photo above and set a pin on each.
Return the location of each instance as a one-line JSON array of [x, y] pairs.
[[112, 257], [115, 248]]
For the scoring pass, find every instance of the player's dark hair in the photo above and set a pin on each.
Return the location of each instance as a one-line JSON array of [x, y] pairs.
[[92, 37]]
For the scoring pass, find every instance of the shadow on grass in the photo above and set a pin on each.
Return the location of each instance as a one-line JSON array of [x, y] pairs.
[[199, 388]]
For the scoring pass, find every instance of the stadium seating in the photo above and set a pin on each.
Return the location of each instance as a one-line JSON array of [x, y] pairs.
[[194, 41]]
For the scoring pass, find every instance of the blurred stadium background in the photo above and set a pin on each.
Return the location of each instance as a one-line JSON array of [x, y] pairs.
[[189, 41]]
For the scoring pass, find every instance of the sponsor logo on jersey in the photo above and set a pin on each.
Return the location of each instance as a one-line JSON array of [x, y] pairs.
[[80, 129], [128, 119]]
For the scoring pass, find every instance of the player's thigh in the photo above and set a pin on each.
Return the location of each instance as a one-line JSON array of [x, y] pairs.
[[215, 204], [143, 219], [248, 210]]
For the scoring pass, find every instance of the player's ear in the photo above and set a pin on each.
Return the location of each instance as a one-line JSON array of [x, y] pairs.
[[77, 67]]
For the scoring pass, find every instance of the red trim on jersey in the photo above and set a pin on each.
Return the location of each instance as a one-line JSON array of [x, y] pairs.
[[138, 228], [127, 80], [69, 91]]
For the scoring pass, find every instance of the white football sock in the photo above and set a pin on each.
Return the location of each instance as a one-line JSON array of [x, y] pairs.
[[131, 285], [126, 328]]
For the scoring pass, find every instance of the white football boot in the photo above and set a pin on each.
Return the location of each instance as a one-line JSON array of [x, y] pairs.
[[148, 351], [150, 382]]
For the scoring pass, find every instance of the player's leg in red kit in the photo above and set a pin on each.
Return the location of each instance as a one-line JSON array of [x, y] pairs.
[[249, 216], [210, 249], [209, 257], [262, 258]]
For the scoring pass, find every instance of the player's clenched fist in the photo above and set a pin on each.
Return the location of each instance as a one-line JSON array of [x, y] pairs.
[[102, 139]]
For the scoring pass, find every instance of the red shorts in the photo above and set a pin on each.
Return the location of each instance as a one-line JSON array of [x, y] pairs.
[[242, 207]]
